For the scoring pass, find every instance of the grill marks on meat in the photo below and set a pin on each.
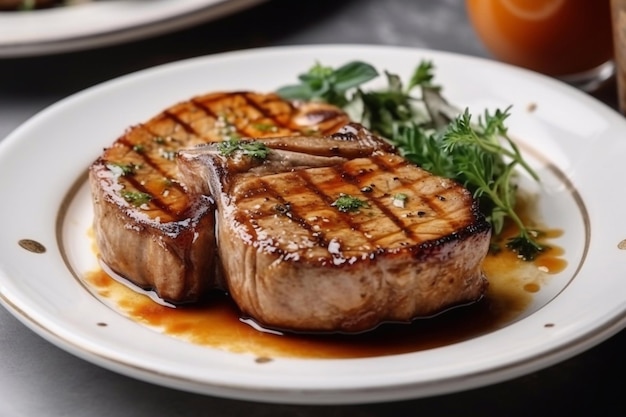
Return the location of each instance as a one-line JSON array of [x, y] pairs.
[[293, 260], [148, 226], [433, 209], [288, 255], [149, 149]]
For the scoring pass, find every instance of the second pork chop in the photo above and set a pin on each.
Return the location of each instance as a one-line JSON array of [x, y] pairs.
[[148, 227]]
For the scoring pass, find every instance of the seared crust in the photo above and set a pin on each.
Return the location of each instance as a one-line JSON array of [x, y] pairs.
[[293, 260], [149, 228]]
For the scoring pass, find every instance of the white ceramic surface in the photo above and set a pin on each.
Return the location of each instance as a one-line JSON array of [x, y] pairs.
[[101, 23], [575, 142]]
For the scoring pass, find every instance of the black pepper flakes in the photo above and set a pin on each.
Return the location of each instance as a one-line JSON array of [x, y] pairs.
[[283, 208]]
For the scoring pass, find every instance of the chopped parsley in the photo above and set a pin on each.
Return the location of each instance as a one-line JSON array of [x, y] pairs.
[[136, 198], [347, 203], [122, 170], [254, 149]]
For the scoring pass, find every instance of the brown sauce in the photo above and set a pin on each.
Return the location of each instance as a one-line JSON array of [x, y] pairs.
[[216, 322]]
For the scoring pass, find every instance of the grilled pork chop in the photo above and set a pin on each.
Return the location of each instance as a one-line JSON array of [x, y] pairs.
[[339, 234], [148, 227]]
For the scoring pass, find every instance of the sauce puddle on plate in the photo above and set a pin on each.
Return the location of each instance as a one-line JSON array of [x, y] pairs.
[[216, 322]]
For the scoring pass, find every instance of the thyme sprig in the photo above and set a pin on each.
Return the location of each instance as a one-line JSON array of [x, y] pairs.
[[484, 159], [433, 134]]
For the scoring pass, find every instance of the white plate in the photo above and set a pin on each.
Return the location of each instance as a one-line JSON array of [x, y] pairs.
[[101, 23], [577, 145]]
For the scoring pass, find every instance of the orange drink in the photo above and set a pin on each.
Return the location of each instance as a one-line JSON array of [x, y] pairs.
[[562, 38]]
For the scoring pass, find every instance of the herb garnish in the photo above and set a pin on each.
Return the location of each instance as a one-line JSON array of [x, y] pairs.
[[330, 85], [136, 198], [483, 158], [433, 134], [347, 203], [254, 149], [122, 170]]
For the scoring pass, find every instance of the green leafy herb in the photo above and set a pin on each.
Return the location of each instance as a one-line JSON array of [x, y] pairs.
[[484, 159], [254, 149], [423, 76], [328, 84], [348, 203], [136, 198], [433, 134], [122, 170]]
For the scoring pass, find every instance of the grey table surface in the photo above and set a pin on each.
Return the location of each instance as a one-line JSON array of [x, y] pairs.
[[39, 379]]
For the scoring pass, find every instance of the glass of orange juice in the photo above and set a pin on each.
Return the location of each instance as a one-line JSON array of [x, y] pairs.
[[567, 39]]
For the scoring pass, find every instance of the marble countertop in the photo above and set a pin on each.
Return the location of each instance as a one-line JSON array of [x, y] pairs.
[[39, 379]]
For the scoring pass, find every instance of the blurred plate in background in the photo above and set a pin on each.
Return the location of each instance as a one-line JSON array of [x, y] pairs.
[[106, 22]]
